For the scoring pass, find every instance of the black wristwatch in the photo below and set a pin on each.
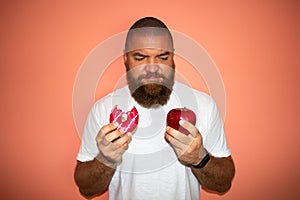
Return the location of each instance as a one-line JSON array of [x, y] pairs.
[[203, 162]]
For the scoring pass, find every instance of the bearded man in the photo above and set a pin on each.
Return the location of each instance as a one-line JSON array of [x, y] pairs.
[[154, 161]]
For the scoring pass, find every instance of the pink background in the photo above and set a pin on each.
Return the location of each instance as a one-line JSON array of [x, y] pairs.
[[255, 45]]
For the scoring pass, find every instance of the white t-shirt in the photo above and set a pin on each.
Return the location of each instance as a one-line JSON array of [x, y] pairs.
[[150, 168]]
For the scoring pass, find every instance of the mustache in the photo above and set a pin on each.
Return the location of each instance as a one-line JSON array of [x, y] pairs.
[[151, 75]]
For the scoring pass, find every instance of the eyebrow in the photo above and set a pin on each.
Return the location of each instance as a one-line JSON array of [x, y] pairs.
[[139, 54], [142, 55], [164, 54]]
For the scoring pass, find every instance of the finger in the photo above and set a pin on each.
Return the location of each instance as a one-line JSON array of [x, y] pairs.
[[183, 138], [172, 132], [178, 148], [122, 141], [114, 135], [174, 142], [105, 140], [101, 140], [178, 152], [189, 126], [124, 146], [109, 128], [112, 147]]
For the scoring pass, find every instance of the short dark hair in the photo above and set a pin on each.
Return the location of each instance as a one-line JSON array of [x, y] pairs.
[[159, 28], [148, 22]]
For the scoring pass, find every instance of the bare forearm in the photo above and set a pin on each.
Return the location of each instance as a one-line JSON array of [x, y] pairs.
[[92, 177], [217, 175]]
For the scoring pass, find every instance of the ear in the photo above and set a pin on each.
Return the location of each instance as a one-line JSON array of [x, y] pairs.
[[125, 57]]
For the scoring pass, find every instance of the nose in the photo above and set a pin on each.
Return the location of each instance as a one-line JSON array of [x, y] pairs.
[[152, 67]]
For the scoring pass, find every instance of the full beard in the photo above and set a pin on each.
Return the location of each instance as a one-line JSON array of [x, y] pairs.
[[151, 94]]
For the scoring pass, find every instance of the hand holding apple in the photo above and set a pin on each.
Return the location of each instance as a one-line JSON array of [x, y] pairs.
[[188, 146]]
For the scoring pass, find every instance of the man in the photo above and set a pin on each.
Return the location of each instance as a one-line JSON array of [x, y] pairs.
[[155, 161]]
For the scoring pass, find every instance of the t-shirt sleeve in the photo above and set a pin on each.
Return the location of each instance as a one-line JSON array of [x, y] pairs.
[[215, 141], [88, 149]]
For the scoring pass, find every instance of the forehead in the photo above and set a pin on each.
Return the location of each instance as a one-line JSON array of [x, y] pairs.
[[149, 42]]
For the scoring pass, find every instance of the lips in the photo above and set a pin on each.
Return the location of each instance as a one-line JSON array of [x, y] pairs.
[[152, 80], [150, 76]]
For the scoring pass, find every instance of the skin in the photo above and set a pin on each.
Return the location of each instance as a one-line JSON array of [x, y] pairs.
[[93, 177], [150, 73], [216, 176], [149, 60]]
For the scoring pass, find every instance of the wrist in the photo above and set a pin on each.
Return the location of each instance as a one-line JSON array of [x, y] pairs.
[[203, 161], [106, 162]]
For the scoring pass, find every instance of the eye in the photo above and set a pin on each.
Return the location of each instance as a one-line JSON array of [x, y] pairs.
[[139, 58], [164, 57]]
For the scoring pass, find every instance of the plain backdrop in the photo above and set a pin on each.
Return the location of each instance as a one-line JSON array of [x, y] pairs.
[[255, 45]]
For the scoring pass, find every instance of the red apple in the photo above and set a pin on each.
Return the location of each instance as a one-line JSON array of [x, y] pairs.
[[176, 114], [127, 120]]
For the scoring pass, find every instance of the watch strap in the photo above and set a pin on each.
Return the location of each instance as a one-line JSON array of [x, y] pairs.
[[203, 162]]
